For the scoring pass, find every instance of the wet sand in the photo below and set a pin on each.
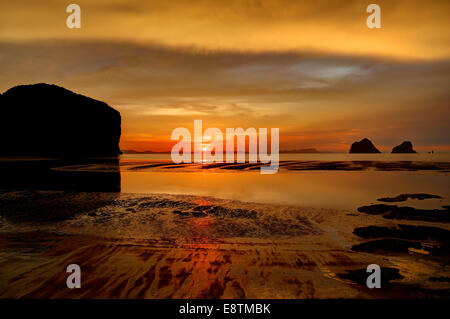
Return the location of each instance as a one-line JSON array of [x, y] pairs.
[[294, 165], [180, 246]]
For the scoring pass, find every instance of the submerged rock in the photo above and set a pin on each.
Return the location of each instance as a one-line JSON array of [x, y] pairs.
[[405, 147], [410, 232], [405, 197], [359, 276], [48, 120], [387, 244], [407, 213], [440, 250], [363, 146]]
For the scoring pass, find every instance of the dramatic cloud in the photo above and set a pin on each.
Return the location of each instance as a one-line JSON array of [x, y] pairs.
[[311, 68], [410, 28]]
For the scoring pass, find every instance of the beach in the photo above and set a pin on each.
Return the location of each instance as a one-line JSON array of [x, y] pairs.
[[179, 243]]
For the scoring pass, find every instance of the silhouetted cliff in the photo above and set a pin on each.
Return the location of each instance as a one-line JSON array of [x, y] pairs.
[[48, 120], [405, 147], [363, 146]]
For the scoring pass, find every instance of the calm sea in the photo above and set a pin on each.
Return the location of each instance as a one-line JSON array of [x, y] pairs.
[[328, 188]]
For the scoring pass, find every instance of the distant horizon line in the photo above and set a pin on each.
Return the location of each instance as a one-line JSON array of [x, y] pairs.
[[283, 152], [309, 150]]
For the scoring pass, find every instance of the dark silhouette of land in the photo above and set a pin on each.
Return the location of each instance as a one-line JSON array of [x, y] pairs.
[[363, 146], [405, 147], [48, 120], [50, 136]]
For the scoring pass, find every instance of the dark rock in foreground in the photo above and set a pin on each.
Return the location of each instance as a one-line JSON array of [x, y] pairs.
[[440, 279], [405, 147], [410, 232], [387, 244], [363, 146], [442, 250], [48, 120], [359, 276], [404, 197], [407, 213]]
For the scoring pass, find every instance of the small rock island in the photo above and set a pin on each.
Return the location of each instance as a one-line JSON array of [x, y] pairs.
[[405, 147], [48, 120], [363, 146]]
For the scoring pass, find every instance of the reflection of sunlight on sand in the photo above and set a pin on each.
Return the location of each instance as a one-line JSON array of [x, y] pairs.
[[204, 222], [202, 201], [185, 246]]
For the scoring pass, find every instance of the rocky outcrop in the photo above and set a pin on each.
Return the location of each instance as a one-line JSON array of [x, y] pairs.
[[363, 146], [48, 120], [405, 147]]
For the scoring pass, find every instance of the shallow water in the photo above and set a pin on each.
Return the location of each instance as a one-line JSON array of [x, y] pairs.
[[436, 157], [345, 189]]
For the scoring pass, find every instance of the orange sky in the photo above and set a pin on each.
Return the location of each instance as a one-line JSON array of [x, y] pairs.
[[311, 68]]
